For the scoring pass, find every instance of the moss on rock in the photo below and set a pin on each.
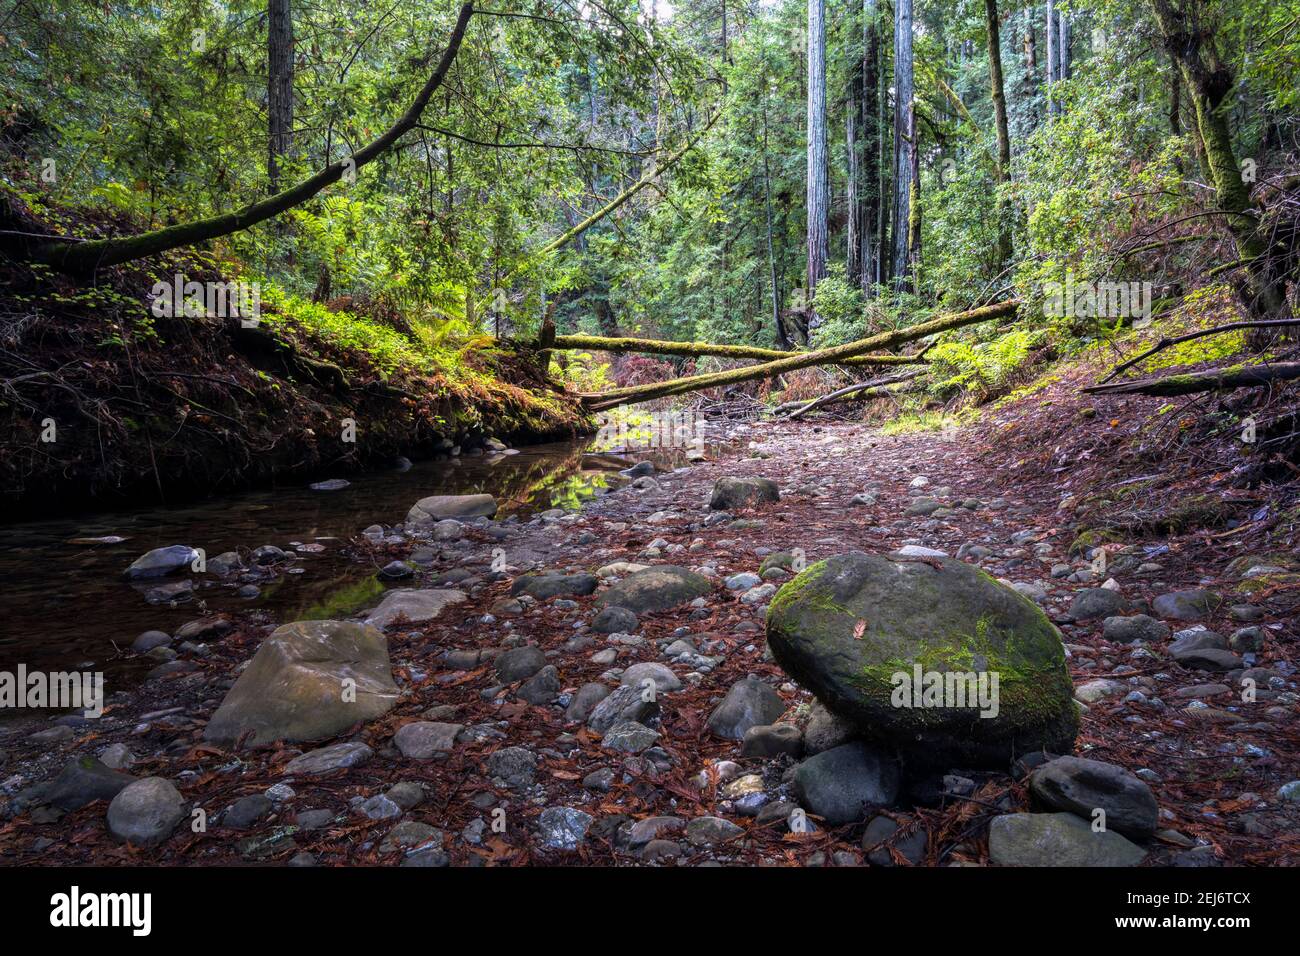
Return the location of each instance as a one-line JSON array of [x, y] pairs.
[[847, 627]]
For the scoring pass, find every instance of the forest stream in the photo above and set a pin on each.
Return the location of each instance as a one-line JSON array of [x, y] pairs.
[[55, 571]]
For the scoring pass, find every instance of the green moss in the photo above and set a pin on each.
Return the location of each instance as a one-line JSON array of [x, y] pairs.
[[1212, 348], [1091, 538]]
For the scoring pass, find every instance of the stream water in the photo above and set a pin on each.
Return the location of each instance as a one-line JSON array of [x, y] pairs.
[[66, 604]]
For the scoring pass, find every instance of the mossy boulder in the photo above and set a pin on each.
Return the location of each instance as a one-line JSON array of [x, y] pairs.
[[855, 629]]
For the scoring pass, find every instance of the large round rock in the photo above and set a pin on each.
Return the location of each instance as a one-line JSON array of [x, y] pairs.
[[858, 630], [308, 680]]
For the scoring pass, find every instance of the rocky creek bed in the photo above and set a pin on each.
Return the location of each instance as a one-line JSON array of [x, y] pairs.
[[631, 684]]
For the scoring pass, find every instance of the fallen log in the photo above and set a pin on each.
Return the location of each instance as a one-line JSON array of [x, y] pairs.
[[862, 390], [1165, 343], [1211, 381], [601, 401], [601, 343]]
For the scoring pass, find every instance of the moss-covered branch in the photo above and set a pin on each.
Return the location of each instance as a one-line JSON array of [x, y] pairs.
[[641, 393], [83, 257]]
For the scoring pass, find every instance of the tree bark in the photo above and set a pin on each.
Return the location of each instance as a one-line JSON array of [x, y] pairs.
[[1051, 59], [84, 257], [1063, 67], [872, 240], [904, 145], [998, 93], [818, 182], [279, 86], [837, 354], [782, 337], [1191, 42]]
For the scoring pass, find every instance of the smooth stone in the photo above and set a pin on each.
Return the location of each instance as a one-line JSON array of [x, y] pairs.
[[326, 759], [294, 687], [749, 703], [435, 508], [657, 588], [1082, 786], [423, 739], [842, 784], [417, 606], [1057, 839], [146, 812], [732, 493]]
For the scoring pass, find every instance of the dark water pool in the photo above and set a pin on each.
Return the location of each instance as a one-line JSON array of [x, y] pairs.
[[66, 605]]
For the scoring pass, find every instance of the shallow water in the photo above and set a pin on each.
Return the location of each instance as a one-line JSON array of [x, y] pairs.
[[66, 605]]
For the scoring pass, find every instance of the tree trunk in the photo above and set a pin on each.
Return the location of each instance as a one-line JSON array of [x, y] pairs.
[[1209, 82], [84, 257], [818, 183], [1051, 58], [279, 86], [871, 241], [853, 186], [904, 145], [1000, 120], [1063, 45], [1214, 380], [782, 337]]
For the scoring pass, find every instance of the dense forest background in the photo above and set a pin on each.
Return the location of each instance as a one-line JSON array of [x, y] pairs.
[[851, 166]]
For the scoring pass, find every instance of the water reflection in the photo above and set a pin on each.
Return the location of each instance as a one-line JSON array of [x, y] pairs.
[[64, 602]]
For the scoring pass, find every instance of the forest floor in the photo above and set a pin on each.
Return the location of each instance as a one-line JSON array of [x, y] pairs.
[[1027, 498]]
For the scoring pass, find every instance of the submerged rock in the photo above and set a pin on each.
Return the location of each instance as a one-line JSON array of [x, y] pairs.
[[859, 630], [429, 510], [161, 561]]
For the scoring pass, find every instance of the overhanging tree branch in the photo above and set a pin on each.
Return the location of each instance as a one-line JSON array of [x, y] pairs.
[[82, 257]]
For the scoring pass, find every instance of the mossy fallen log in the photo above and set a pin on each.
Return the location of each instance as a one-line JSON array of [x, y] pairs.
[[601, 343], [1219, 379], [601, 401]]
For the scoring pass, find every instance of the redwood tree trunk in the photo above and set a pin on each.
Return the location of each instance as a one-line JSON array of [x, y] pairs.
[[904, 144], [818, 181], [999, 96], [279, 86]]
